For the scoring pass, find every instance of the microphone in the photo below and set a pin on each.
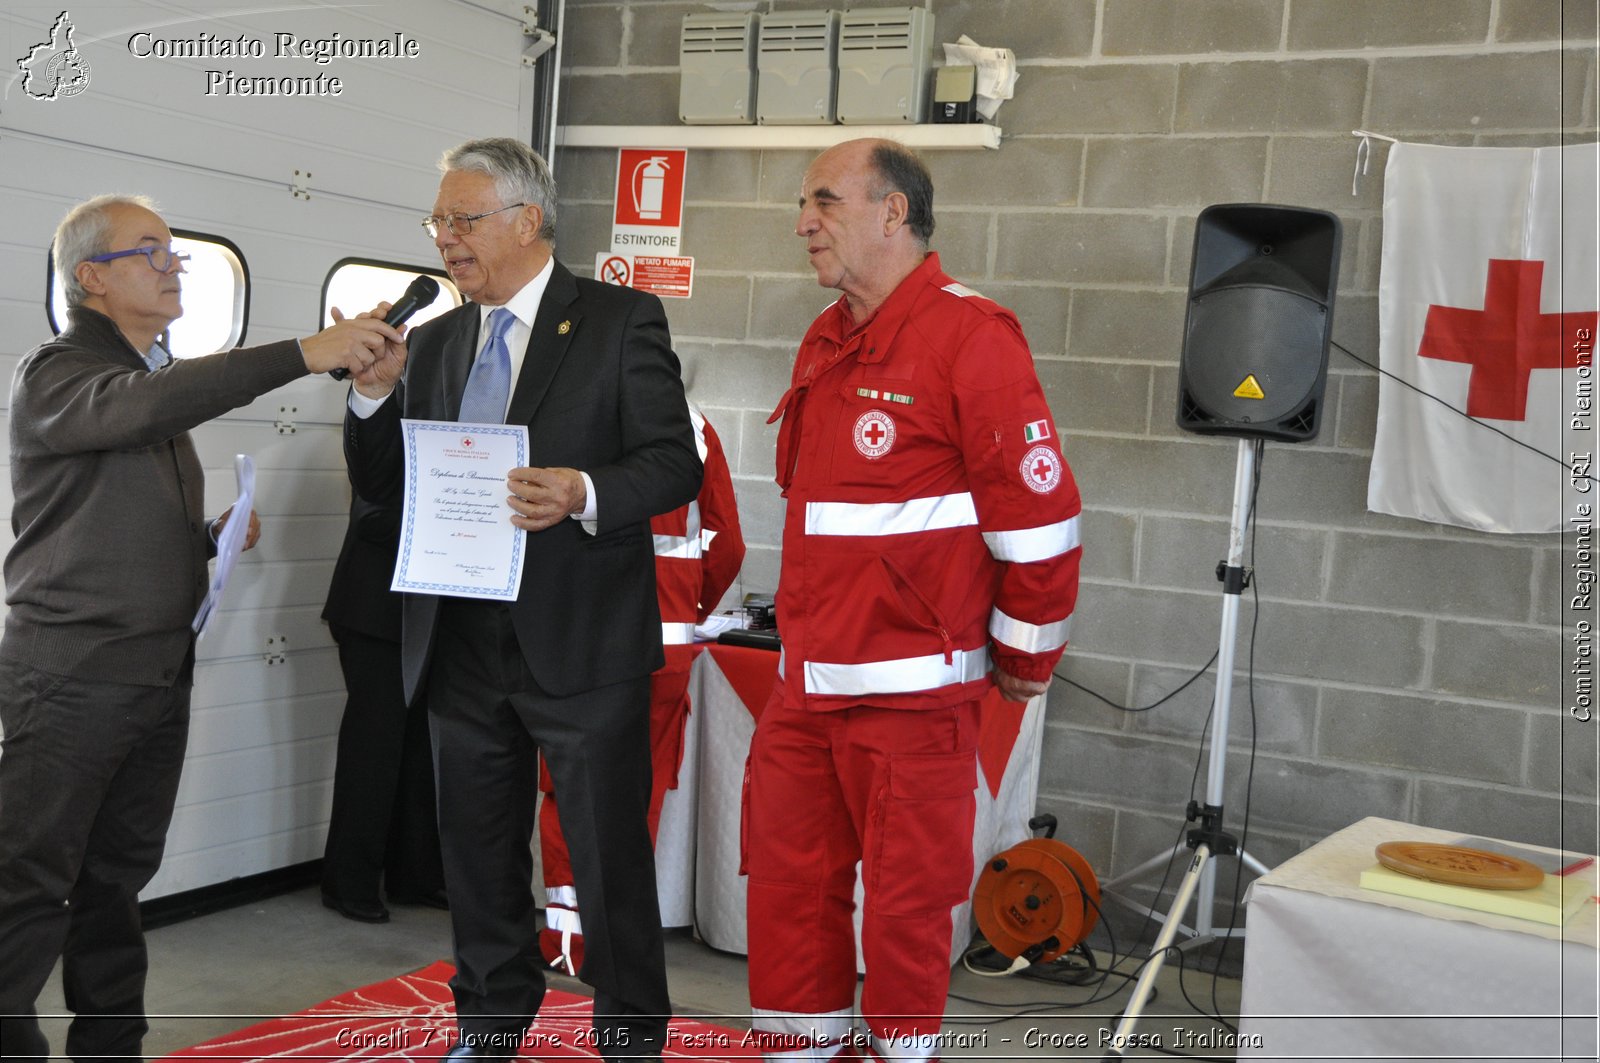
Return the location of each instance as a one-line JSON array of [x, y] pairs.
[[422, 291]]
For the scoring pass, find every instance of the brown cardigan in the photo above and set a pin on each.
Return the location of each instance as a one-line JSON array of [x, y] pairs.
[[109, 563]]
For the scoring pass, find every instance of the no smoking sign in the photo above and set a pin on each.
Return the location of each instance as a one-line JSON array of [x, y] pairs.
[[666, 276]]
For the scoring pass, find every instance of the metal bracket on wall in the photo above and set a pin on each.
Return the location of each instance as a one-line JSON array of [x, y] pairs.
[[540, 40], [284, 424], [277, 655], [299, 186], [543, 22]]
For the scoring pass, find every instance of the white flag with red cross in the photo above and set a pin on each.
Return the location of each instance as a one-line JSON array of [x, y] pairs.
[[1486, 300]]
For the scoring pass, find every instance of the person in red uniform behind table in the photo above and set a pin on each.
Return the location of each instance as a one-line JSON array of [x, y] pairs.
[[698, 553], [930, 549]]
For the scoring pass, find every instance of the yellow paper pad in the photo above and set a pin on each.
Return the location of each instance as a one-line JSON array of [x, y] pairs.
[[1553, 901]]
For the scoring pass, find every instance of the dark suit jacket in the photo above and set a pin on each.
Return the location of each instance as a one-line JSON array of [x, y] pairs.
[[600, 391], [359, 597]]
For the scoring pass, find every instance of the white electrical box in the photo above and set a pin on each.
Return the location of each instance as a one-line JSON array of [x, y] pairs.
[[795, 62], [883, 65], [717, 69]]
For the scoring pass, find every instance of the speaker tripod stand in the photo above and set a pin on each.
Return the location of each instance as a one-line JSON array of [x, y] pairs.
[[1209, 840]]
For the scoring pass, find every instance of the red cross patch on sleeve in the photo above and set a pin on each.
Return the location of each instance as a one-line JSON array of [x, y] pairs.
[[1041, 470]]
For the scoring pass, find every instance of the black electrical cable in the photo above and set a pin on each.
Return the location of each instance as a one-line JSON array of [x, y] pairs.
[[1456, 409], [1044, 1008], [1142, 708]]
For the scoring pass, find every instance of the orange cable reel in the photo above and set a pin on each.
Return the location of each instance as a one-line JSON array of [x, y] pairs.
[[1037, 899]]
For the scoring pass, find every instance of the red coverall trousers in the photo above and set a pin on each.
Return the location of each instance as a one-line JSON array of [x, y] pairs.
[[894, 789]]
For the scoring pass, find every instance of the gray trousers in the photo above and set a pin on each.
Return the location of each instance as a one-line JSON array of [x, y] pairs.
[[88, 776]]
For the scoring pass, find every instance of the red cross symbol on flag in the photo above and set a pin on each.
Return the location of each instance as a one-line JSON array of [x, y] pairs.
[[1505, 341]]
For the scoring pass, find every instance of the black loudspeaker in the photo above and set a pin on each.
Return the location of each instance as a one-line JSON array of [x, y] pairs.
[[1255, 339]]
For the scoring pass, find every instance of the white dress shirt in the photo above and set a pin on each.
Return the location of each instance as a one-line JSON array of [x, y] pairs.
[[524, 307]]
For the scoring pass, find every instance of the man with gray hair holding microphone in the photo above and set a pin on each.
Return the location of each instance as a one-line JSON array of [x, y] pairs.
[[108, 567]]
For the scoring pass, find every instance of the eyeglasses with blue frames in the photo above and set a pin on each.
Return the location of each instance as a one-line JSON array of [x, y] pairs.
[[460, 224], [161, 259]]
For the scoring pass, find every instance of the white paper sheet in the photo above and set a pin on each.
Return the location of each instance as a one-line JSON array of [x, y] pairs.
[[230, 544], [456, 535]]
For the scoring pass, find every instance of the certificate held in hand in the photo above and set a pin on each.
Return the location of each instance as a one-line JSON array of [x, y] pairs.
[[456, 535]]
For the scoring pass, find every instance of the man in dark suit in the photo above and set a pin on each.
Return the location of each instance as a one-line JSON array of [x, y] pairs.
[[565, 669], [383, 825]]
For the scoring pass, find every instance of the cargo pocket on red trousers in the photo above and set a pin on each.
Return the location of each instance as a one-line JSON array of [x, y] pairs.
[[922, 833]]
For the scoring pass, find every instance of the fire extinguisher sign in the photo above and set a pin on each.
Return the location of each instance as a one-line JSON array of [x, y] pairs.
[[649, 212]]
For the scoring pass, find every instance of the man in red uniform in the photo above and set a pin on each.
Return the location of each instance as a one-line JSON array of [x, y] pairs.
[[698, 553], [930, 549]]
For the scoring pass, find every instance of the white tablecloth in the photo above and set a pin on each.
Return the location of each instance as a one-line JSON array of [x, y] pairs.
[[1335, 972]]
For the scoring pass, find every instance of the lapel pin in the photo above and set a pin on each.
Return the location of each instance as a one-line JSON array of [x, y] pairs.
[[564, 328]]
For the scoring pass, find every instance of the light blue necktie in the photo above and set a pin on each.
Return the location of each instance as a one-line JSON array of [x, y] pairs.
[[489, 386]]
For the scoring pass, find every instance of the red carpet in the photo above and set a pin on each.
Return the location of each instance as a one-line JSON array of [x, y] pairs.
[[412, 1017]]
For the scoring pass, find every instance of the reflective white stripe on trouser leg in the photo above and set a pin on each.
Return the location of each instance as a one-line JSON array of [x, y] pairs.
[[907, 1048], [558, 916], [815, 1037]]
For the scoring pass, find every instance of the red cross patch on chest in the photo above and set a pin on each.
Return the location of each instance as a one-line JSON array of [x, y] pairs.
[[874, 433]]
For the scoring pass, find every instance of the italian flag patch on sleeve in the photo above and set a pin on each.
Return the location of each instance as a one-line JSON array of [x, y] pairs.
[[1036, 431]]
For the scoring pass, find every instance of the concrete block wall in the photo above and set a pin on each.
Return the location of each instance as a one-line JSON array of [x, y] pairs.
[[1401, 669]]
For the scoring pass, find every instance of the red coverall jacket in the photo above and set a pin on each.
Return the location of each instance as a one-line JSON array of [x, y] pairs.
[[932, 524]]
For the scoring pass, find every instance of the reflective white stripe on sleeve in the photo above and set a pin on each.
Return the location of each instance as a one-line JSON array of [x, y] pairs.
[[677, 546], [677, 634], [1034, 544], [1030, 638], [564, 895], [905, 676], [891, 518]]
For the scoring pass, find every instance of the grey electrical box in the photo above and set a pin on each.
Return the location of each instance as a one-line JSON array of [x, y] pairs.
[[717, 69], [883, 65], [795, 62]]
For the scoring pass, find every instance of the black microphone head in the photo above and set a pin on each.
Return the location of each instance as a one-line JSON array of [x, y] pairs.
[[424, 288]]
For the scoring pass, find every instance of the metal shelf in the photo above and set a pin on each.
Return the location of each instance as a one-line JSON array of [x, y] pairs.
[[762, 137]]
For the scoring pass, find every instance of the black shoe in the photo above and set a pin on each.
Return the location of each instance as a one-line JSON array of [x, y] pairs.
[[360, 911], [481, 1053], [427, 898]]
